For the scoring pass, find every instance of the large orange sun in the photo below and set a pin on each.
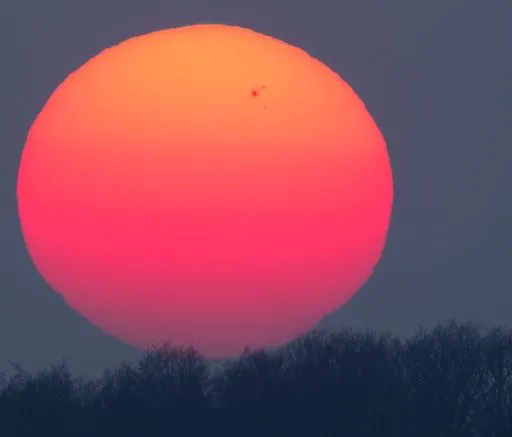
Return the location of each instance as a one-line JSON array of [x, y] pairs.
[[205, 185]]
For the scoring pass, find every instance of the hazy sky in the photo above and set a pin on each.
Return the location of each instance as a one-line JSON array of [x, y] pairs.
[[437, 77]]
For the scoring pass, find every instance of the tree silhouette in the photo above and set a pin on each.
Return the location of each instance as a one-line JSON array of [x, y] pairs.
[[451, 380], [443, 370], [349, 383], [250, 391], [496, 395], [3, 381], [168, 384], [45, 401]]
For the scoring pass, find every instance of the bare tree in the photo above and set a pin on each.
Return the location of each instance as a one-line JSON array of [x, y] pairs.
[[250, 393], [345, 382], [451, 381], [166, 384], [3, 380], [496, 396], [46, 400], [443, 370]]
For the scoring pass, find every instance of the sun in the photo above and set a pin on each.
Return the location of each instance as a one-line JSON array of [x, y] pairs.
[[205, 185]]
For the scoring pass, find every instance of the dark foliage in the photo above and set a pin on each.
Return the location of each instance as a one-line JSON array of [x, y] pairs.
[[453, 380]]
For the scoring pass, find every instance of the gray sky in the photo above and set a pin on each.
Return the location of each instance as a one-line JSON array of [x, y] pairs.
[[437, 77]]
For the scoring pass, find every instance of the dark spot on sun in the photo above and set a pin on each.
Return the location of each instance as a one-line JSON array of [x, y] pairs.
[[256, 91]]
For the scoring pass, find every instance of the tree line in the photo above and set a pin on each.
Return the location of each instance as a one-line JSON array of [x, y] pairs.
[[454, 380]]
